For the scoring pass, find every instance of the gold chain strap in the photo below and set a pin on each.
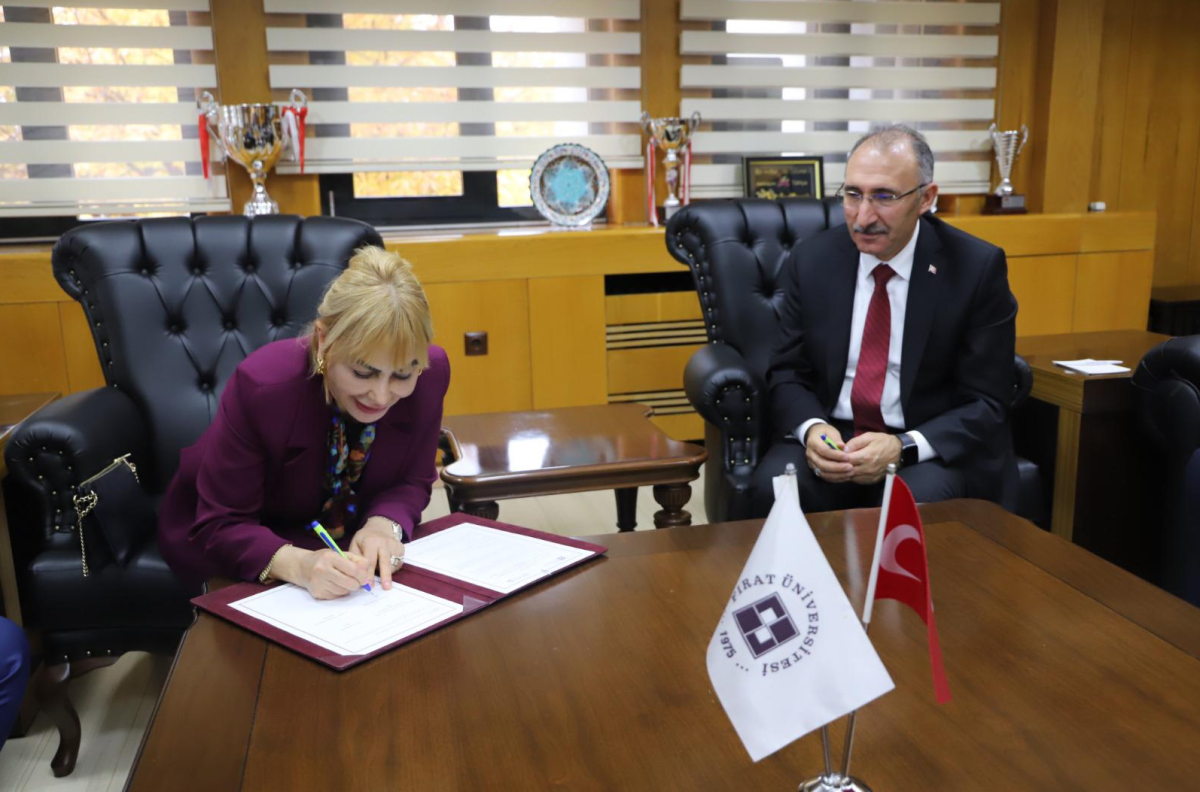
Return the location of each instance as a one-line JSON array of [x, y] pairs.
[[83, 507]]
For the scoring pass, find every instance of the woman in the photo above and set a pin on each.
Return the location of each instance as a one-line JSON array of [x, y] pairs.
[[340, 426]]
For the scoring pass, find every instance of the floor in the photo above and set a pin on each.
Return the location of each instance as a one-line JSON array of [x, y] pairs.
[[115, 703]]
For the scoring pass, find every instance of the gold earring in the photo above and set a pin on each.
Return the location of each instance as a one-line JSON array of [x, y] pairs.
[[321, 365]]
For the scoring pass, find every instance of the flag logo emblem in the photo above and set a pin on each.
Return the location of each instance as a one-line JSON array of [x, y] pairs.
[[765, 625]]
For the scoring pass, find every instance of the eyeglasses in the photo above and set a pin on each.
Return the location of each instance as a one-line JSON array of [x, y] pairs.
[[882, 200]]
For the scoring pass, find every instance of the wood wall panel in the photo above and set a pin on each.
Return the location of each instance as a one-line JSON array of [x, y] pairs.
[[1017, 86], [1109, 289], [240, 45], [79, 350], [566, 330], [1156, 165], [1066, 151], [499, 380], [647, 369], [621, 309], [1045, 290], [31, 348]]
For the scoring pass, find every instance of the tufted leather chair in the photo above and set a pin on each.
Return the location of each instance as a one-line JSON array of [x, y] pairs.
[[174, 305], [1167, 382], [735, 250]]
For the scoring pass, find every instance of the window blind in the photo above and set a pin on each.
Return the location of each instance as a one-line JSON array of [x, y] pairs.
[[458, 85], [97, 108], [811, 77]]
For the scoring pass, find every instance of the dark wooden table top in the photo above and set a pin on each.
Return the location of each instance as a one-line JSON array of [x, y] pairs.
[[571, 449], [1086, 392], [1067, 674]]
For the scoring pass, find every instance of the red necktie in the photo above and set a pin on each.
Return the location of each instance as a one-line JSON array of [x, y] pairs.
[[867, 390]]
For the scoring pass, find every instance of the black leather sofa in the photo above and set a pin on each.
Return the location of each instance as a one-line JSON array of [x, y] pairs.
[[174, 305]]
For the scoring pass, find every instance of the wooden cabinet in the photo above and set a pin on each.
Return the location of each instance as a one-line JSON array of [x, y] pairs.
[[500, 379]]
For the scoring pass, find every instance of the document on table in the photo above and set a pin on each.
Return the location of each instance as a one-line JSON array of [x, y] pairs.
[[355, 624], [498, 560], [1089, 366]]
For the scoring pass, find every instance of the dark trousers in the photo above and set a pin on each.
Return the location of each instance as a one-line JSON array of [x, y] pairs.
[[14, 674], [929, 481]]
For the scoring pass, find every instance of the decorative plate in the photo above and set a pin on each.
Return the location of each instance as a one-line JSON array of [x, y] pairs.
[[569, 185]]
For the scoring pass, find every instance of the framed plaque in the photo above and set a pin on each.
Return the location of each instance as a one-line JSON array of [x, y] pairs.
[[784, 177]]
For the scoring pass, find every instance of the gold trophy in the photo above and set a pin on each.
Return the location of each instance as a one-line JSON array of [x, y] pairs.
[[670, 135], [254, 136], [1003, 200]]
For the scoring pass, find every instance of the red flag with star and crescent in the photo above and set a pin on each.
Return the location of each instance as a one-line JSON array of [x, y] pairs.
[[904, 574]]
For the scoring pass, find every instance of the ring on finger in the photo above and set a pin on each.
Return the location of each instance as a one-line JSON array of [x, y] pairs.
[[395, 561]]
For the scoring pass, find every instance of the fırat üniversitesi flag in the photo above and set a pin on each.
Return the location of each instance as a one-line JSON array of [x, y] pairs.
[[789, 654]]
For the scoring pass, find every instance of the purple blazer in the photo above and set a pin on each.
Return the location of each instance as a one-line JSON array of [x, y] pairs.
[[255, 478]]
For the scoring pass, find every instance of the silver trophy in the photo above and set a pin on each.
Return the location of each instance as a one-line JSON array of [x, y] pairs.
[[254, 136], [670, 135], [1008, 144]]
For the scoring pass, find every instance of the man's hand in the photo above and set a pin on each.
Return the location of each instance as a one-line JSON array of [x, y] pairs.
[[870, 453], [377, 544], [832, 465]]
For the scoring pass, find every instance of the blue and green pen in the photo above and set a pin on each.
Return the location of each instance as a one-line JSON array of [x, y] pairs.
[[829, 443], [320, 531]]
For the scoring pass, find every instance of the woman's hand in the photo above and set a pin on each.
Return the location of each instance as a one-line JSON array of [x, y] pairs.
[[324, 573], [376, 543]]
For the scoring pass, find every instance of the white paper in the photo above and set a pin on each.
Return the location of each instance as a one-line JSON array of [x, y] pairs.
[[496, 560], [355, 624], [1089, 366]]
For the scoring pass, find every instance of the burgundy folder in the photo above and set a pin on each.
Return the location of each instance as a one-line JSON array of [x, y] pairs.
[[473, 598]]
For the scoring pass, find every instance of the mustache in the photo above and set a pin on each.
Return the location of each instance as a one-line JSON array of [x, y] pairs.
[[874, 228]]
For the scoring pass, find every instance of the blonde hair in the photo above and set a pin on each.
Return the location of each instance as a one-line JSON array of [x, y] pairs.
[[377, 303]]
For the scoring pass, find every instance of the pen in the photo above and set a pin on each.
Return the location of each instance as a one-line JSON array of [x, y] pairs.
[[320, 531], [829, 443]]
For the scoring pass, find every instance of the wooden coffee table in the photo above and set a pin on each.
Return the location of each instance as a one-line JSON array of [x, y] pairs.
[[496, 456]]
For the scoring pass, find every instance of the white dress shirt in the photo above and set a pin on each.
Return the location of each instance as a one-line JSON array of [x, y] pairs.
[[897, 291]]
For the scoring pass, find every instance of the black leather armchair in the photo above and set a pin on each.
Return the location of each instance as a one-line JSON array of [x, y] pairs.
[[735, 250], [1167, 382], [174, 305]]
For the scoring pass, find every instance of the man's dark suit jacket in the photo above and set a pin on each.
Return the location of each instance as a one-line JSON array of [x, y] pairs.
[[956, 367]]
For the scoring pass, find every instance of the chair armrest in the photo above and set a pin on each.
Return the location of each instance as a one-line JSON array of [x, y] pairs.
[[67, 441], [721, 386], [1023, 382]]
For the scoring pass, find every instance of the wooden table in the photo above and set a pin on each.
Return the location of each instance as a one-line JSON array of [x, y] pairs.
[[1095, 451], [1067, 674], [575, 449], [13, 410]]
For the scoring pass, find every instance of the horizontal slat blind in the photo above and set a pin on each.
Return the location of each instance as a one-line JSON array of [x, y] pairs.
[[97, 108], [393, 90], [794, 78]]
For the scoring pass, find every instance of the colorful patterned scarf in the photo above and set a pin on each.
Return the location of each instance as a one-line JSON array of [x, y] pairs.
[[346, 463]]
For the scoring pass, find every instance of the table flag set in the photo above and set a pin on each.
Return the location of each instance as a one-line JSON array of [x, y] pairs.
[[789, 655]]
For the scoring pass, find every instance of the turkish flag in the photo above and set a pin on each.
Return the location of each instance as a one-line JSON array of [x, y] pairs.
[[904, 574]]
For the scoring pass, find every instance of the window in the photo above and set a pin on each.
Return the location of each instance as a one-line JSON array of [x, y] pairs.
[[97, 114], [812, 77], [427, 112]]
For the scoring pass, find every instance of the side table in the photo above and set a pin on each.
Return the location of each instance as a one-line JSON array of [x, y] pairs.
[[496, 456]]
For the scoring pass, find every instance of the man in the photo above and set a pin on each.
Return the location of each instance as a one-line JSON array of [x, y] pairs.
[[896, 346]]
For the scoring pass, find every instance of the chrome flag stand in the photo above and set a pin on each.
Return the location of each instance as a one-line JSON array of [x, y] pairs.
[[830, 781]]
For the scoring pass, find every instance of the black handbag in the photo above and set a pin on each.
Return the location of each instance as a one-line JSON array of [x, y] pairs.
[[111, 507]]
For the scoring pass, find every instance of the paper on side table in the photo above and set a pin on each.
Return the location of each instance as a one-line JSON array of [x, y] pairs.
[[1089, 366]]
